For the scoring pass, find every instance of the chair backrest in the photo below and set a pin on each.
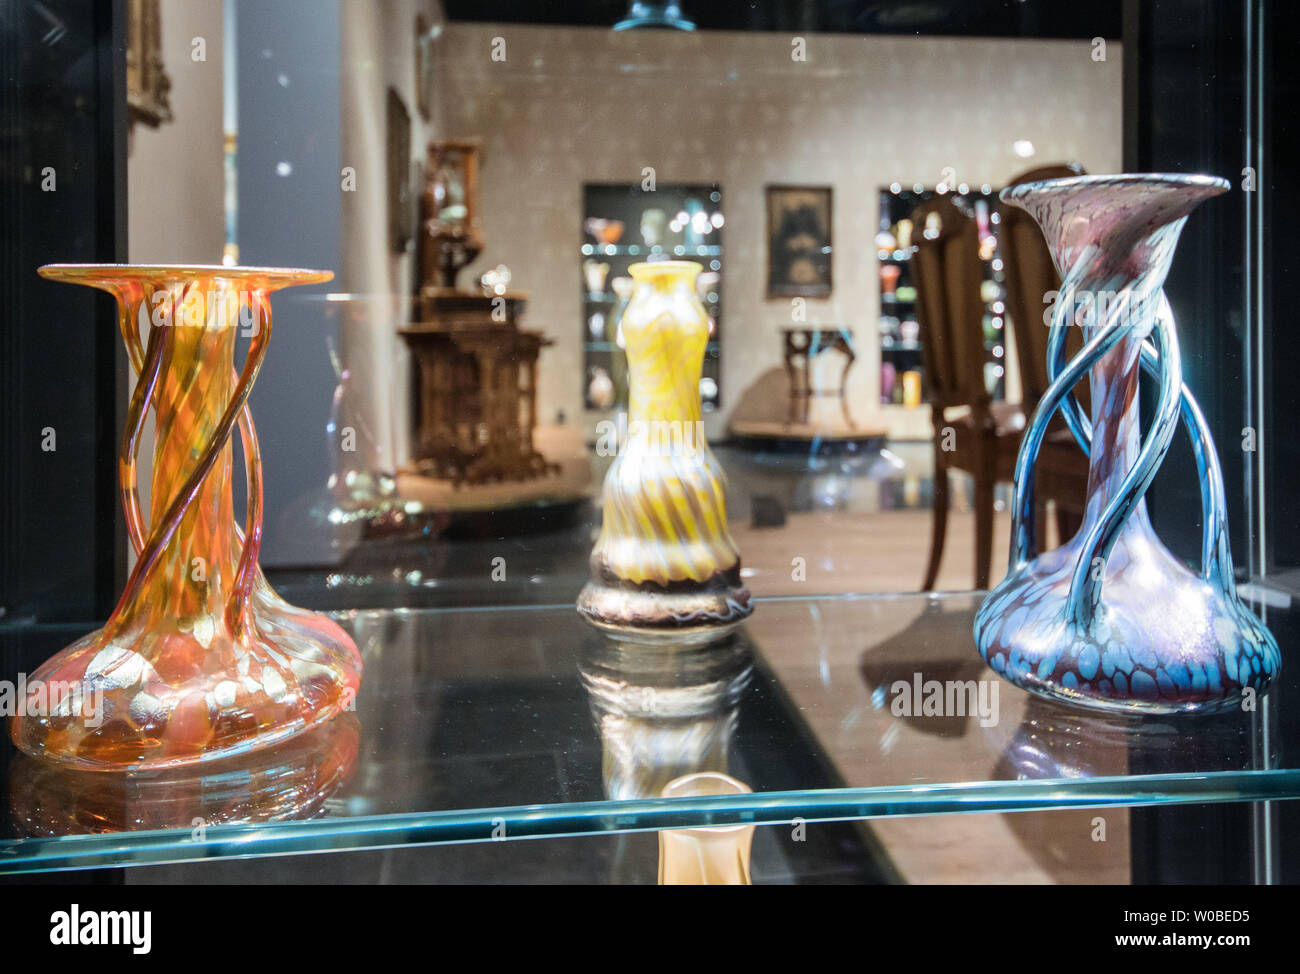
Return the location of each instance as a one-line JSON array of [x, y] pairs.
[[947, 272], [1030, 275]]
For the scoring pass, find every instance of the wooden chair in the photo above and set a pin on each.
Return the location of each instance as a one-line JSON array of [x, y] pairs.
[[971, 432], [1062, 468]]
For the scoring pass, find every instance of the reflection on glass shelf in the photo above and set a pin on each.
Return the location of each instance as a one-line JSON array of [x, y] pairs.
[[663, 712], [287, 783], [522, 722]]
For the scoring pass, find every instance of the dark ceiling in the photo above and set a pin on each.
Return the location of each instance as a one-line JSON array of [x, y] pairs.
[[977, 18]]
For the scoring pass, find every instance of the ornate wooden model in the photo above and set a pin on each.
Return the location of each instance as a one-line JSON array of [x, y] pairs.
[[476, 381], [476, 389]]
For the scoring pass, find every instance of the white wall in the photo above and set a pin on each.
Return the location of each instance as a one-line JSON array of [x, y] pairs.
[[575, 105], [175, 180], [175, 174], [378, 53]]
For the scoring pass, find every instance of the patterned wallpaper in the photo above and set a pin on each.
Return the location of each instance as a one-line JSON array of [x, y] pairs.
[[574, 105]]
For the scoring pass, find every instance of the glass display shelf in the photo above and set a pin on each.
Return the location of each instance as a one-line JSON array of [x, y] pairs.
[[502, 723]]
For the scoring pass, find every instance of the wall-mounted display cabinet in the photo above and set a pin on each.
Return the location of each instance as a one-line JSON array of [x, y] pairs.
[[902, 372], [623, 224]]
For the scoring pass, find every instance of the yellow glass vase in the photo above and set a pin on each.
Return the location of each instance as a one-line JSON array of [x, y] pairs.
[[200, 659], [709, 855], [664, 564]]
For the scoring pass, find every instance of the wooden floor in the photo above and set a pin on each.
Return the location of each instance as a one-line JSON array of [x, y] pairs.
[[882, 551]]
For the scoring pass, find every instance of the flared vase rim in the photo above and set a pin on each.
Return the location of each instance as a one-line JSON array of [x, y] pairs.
[[647, 269], [1210, 185], [97, 273], [730, 788]]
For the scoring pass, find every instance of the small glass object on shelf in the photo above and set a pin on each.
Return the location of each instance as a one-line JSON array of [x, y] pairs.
[[904, 235], [707, 855], [362, 484], [889, 274], [600, 390], [622, 286], [665, 565], [200, 659], [1111, 619], [595, 272], [912, 388], [888, 380], [705, 286], [607, 232], [694, 222], [653, 222]]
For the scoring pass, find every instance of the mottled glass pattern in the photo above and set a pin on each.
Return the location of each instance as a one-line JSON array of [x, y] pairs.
[[1111, 619], [664, 563]]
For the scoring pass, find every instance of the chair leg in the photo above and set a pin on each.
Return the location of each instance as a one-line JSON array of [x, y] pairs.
[[938, 517], [983, 526], [1067, 524]]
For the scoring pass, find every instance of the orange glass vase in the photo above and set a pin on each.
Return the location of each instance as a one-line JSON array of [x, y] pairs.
[[200, 659]]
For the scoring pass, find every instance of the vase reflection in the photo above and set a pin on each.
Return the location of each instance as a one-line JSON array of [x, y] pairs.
[[1053, 741], [293, 781], [663, 711], [360, 498], [667, 715]]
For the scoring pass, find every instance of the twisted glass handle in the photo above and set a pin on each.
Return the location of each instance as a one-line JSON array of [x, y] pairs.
[[1159, 358], [149, 544]]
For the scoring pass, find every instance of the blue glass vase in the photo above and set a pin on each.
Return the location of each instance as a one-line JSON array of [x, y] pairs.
[[1111, 619]]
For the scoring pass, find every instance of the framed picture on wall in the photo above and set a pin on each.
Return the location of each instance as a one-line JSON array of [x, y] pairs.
[[401, 192], [798, 241]]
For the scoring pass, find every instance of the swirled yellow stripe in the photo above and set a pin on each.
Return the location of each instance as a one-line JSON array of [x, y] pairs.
[[664, 508]]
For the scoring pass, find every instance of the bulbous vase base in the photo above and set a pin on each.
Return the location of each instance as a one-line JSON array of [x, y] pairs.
[[652, 614], [188, 691], [1164, 640]]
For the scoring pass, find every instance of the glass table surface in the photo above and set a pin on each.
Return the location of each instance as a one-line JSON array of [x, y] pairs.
[[499, 723]]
